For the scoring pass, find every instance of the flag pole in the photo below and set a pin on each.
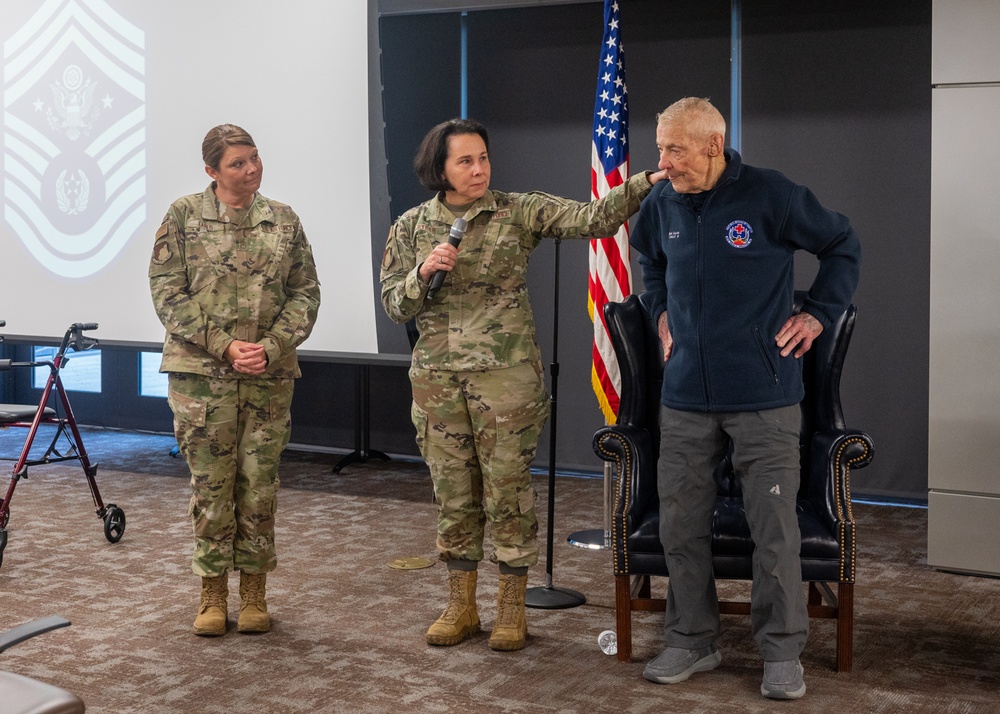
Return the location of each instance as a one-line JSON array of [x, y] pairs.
[[550, 597], [610, 274]]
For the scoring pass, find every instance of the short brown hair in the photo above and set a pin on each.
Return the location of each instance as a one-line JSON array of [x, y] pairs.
[[433, 151], [220, 137]]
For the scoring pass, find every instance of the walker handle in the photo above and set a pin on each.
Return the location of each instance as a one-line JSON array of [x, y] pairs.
[[74, 337]]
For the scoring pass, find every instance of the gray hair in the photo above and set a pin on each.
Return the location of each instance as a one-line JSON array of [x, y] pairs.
[[699, 116]]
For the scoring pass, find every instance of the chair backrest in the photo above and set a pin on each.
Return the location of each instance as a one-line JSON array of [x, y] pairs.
[[821, 371], [640, 362], [822, 367]]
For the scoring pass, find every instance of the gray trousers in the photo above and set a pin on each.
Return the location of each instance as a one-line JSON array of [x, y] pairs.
[[766, 459]]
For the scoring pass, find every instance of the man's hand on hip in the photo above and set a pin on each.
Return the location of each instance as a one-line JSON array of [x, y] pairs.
[[663, 330], [799, 330]]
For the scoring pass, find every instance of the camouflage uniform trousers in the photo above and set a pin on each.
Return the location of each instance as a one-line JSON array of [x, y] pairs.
[[478, 433], [231, 432]]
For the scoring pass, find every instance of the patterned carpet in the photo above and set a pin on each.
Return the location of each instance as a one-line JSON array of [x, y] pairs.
[[348, 630]]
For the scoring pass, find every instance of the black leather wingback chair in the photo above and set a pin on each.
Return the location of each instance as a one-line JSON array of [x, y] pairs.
[[829, 451]]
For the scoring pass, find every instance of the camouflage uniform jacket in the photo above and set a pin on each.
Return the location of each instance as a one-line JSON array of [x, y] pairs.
[[481, 318], [213, 283]]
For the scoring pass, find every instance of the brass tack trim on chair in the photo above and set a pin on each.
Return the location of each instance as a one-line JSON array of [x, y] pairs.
[[844, 484], [627, 485]]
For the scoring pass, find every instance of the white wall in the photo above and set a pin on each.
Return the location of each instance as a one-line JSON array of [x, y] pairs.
[[964, 408]]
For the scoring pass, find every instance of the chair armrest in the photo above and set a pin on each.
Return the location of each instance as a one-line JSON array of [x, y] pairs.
[[835, 454], [631, 450], [30, 629]]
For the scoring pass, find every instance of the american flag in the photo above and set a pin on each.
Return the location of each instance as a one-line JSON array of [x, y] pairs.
[[610, 270]]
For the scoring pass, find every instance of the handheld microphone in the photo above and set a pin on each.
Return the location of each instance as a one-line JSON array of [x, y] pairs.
[[454, 238]]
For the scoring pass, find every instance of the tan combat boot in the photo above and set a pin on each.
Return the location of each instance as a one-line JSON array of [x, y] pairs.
[[211, 620], [253, 607], [460, 619], [511, 627]]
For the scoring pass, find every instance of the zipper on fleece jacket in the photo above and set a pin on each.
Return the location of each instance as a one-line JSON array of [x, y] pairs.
[[700, 275], [762, 346]]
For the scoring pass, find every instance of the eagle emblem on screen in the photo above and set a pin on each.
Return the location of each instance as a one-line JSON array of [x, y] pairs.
[[74, 96]]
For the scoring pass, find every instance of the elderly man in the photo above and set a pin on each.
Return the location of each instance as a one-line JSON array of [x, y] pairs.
[[717, 245]]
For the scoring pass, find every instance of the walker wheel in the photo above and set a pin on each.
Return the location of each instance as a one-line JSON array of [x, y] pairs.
[[114, 523], [5, 517], [3, 543]]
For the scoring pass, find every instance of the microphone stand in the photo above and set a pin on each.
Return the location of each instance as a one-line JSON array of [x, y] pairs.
[[549, 597]]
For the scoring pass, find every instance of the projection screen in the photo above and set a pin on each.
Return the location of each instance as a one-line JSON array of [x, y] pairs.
[[105, 105]]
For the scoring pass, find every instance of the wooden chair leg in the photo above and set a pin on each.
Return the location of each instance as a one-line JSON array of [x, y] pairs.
[[815, 597], [845, 627], [623, 617], [643, 587]]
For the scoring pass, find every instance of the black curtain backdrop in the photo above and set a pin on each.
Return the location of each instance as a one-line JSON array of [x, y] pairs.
[[836, 96]]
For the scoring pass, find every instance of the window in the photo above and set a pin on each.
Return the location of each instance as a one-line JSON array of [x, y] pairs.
[[81, 372], [152, 383]]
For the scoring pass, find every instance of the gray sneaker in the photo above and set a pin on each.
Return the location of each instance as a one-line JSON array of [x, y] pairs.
[[783, 680], [676, 664]]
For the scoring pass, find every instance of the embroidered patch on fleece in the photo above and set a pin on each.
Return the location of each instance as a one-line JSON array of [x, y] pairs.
[[738, 234]]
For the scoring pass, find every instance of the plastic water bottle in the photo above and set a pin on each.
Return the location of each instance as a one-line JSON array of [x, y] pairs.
[[608, 642]]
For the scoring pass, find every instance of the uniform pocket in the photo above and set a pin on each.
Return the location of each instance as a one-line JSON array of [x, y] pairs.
[[526, 499], [419, 418], [503, 255], [280, 403], [272, 248], [202, 278], [489, 246], [187, 409], [206, 264], [517, 433]]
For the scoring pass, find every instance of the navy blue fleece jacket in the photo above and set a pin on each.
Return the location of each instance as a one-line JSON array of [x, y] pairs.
[[725, 276]]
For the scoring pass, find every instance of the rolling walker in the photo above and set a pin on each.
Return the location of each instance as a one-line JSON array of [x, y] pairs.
[[66, 444]]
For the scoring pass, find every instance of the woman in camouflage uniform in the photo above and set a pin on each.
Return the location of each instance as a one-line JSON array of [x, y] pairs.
[[479, 397], [233, 281]]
